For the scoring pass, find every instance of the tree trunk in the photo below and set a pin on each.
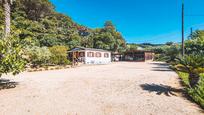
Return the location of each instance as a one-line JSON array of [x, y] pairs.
[[193, 79], [7, 11]]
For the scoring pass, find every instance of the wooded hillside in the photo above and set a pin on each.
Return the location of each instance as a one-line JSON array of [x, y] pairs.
[[38, 24]]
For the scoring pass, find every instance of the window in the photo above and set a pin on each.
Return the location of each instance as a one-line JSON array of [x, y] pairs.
[[106, 55], [98, 54], [81, 54], [90, 54]]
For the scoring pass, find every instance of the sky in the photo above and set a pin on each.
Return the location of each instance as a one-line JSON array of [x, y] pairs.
[[139, 21]]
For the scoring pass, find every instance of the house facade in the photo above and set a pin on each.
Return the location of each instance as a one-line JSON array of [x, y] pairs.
[[138, 56], [90, 56]]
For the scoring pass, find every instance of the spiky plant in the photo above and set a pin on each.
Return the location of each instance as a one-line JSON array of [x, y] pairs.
[[192, 64]]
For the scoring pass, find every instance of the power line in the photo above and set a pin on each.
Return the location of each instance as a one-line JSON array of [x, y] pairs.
[[195, 15]]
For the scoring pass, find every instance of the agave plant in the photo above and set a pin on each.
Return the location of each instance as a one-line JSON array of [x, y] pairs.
[[192, 64]]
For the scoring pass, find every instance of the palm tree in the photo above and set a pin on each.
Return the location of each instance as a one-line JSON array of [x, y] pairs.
[[192, 64], [7, 11]]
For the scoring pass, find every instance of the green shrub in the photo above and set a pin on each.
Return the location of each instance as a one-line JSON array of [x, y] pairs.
[[167, 53], [197, 93], [11, 60], [59, 55], [172, 52], [161, 57], [39, 56]]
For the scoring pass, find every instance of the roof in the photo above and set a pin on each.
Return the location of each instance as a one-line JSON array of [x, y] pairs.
[[87, 49], [140, 48], [116, 53], [139, 51]]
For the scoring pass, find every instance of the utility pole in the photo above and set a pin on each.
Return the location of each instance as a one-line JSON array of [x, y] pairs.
[[191, 33], [183, 50]]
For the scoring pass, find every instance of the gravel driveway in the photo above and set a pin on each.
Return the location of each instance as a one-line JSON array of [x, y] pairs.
[[123, 88]]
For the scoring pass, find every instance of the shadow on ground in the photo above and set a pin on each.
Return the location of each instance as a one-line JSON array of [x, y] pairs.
[[161, 67], [7, 84], [164, 70], [168, 91], [160, 64], [161, 89]]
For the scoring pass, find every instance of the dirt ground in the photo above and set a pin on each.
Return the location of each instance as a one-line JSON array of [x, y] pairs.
[[123, 88]]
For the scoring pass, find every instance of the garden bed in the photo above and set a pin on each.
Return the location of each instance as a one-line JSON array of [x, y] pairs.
[[197, 94], [46, 68]]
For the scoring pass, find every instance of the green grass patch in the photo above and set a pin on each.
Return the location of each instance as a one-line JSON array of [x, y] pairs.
[[184, 78]]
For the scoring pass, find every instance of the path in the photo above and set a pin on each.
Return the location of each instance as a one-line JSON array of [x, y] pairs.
[[116, 89]]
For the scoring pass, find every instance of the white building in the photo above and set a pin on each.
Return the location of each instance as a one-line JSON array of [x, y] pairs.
[[90, 56]]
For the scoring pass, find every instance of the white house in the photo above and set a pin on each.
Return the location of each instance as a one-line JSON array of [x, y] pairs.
[[90, 55]]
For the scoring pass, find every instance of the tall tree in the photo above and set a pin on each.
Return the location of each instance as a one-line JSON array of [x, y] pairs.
[[196, 43], [109, 25], [7, 11], [36, 9]]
